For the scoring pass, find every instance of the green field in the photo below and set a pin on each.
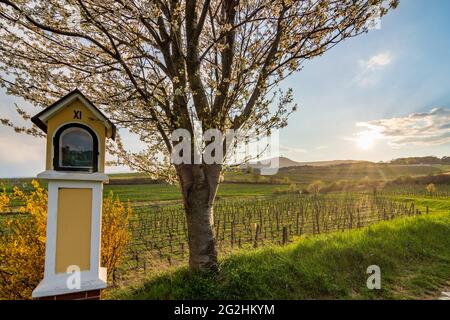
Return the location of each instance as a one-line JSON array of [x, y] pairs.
[[166, 192], [155, 194]]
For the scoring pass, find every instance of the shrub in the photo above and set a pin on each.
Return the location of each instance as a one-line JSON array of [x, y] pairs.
[[292, 189], [4, 200], [431, 188], [22, 245], [22, 240], [115, 232], [315, 187]]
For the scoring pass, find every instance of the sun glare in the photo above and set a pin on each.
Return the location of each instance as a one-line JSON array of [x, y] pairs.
[[366, 139]]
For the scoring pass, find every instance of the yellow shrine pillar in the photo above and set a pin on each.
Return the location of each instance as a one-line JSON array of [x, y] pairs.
[[76, 133]]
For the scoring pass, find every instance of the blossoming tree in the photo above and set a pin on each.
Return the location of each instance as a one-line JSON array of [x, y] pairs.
[[155, 66]]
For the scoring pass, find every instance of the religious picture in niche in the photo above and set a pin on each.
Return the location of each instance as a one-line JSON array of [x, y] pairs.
[[76, 149]]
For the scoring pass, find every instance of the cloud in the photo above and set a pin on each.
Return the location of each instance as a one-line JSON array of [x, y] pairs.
[[321, 147], [418, 129], [368, 68], [21, 150], [378, 61]]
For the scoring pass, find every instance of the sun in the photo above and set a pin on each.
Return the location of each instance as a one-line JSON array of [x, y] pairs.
[[366, 139]]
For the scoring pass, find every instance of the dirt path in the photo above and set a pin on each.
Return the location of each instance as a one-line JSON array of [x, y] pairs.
[[445, 296], [445, 293]]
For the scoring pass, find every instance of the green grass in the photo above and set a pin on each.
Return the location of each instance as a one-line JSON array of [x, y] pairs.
[[435, 205], [413, 254]]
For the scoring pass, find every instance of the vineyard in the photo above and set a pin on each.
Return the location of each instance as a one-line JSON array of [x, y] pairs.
[[415, 190], [161, 233], [248, 216]]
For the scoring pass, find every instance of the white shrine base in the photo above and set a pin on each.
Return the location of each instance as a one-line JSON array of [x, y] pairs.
[[58, 284], [93, 279]]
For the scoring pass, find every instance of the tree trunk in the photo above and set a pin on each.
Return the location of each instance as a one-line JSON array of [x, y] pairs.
[[199, 185]]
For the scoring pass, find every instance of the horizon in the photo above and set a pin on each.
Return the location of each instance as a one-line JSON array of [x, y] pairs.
[[302, 163], [378, 97]]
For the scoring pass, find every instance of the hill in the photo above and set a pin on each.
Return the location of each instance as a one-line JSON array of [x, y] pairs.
[[353, 171], [422, 160], [284, 162], [291, 171]]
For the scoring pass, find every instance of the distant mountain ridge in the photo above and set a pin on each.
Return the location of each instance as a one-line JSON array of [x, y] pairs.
[[286, 163], [422, 160]]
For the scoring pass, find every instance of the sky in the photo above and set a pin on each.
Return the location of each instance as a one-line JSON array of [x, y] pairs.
[[382, 95], [379, 96]]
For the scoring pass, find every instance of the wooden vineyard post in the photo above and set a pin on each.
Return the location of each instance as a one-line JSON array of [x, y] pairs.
[[285, 235], [255, 244]]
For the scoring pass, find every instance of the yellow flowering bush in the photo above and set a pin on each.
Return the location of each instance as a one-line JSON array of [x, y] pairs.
[[4, 200], [115, 232], [22, 244], [22, 239]]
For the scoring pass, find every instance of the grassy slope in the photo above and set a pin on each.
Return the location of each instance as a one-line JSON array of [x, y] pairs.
[[434, 204], [413, 254]]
